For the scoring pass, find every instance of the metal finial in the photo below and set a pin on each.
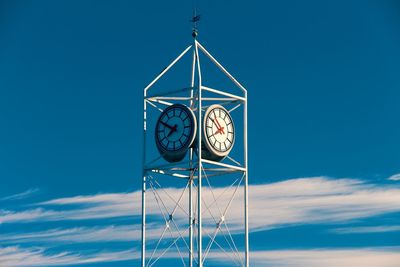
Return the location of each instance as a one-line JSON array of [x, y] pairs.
[[194, 20]]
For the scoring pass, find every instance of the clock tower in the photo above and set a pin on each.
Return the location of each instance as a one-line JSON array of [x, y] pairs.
[[195, 167]]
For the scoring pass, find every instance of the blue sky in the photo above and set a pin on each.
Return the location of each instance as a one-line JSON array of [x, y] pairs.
[[323, 81]]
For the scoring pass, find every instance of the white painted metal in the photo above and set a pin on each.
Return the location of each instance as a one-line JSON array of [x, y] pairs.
[[235, 107], [181, 169], [191, 225], [221, 67], [164, 166], [166, 69], [169, 98], [143, 248], [166, 103], [154, 106], [219, 99], [246, 185], [243, 169], [171, 92], [205, 88], [199, 166]]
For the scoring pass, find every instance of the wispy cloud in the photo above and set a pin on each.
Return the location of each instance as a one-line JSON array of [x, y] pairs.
[[110, 233], [320, 200], [17, 256], [22, 195], [280, 204], [369, 257], [366, 229], [296, 201], [395, 177]]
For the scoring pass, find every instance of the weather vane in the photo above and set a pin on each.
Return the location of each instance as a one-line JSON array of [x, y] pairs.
[[194, 20]]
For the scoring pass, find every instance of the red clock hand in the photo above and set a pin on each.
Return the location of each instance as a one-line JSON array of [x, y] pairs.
[[220, 129]]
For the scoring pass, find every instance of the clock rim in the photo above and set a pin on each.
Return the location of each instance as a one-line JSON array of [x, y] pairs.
[[164, 152], [207, 143]]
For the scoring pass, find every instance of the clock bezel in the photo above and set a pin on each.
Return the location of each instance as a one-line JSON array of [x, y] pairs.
[[178, 154], [216, 154]]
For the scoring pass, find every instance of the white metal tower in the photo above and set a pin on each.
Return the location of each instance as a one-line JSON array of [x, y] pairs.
[[204, 222]]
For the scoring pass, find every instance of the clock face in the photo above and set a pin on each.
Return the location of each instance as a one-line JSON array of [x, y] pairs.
[[175, 131], [218, 130]]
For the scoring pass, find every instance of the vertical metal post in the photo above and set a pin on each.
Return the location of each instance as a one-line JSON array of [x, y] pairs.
[[144, 174], [199, 167], [191, 170], [143, 254], [246, 184]]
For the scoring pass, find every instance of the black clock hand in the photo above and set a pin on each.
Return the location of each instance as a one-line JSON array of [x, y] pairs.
[[173, 129], [167, 125], [219, 128]]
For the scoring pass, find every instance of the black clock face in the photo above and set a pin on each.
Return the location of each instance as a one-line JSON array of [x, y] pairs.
[[219, 130], [175, 129]]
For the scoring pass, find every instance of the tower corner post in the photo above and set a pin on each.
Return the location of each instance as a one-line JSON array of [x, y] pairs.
[[199, 167], [246, 185], [144, 181], [191, 174]]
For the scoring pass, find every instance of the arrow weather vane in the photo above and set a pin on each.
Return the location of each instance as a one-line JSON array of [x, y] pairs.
[[194, 20]]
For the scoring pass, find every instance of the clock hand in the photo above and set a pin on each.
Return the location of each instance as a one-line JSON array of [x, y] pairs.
[[173, 129], [215, 123], [166, 125], [220, 129]]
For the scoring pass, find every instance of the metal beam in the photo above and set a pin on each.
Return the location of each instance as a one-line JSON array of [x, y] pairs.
[[191, 172], [221, 67], [171, 92], [199, 193], [166, 69], [246, 185], [143, 237], [224, 165], [215, 91]]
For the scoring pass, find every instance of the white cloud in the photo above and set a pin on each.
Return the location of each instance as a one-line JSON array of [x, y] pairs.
[[290, 202], [395, 177], [22, 195], [367, 229], [366, 257], [319, 200], [371, 257], [21, 257], [111, 233], [296, 201]]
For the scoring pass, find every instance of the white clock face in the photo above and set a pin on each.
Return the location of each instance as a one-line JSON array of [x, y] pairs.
[[175, 130], [219, 130]]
